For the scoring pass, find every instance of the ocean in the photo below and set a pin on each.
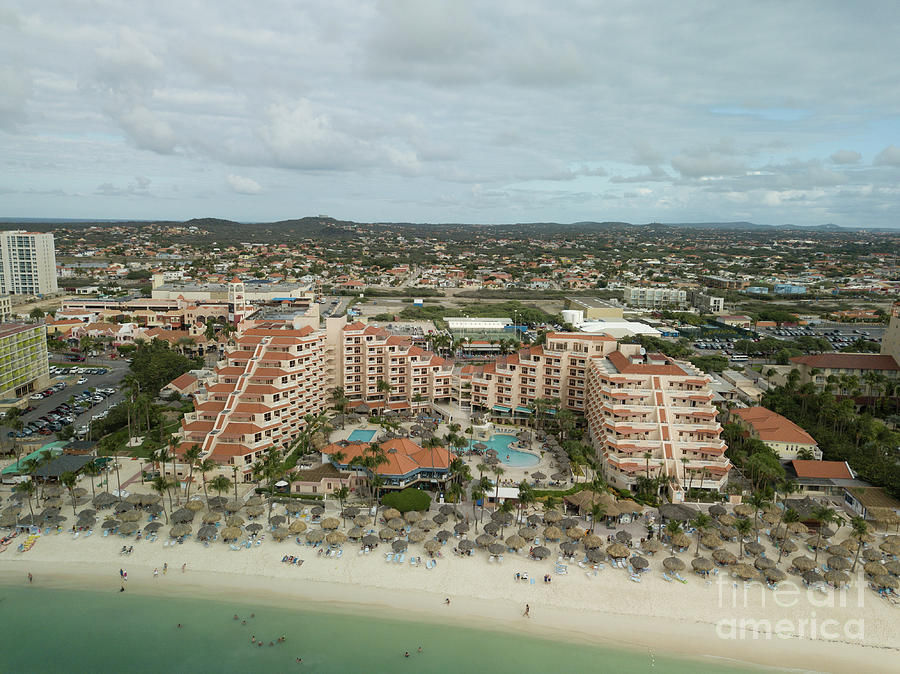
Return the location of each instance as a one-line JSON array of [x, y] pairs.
[[57, 630]]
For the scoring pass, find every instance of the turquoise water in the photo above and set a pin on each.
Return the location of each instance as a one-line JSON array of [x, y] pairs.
[[52, 630], [508, 455], [361, 436]]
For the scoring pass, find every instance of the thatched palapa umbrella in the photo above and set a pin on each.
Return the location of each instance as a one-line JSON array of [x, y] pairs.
[[355, 533], [399, 546], [723, 556], [212, 517], [540, 552], [875, 569], [774, 575], [803, 563], [256, 511], [461, 527], [207, 532], [387, 534], [253, 528], [362, 520], [297, 527], [465, 545], [280, 533], [443, 535], [234, 521], [369, 540], [617, 551], [277, 520], [416, 536], [412, 516], [432, 546], [336, 538], [231, 533], [396, 523], [838, 563], [315, 536], [331, 523], [194, 505], [491, 528], [702, 564], [763, 563], [673, 564], [681, 540], [515, 541], [745, 572], [754, 548], [593, 541], [128, 528], [812, 576], [837, 578], [552, 533], [180, 530], [390, 513], [132, 516]]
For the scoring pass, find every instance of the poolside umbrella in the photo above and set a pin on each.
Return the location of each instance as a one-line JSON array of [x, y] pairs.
[[722, 556], [297, 527], [256, 511], [593, 541], [182, 516], [515, 541], [623, 537], [110, 524], [492, 461], [440, 518], [370, 541], [744, 510], [838, 563], [893, 567], [552, 533], [315, 536], [568, 547], [355, 533], [217, 502], [837, 578], [529, 532], [812, 576], [132, 516], [412, 516], [702, 564], [254, 500], [390, 514], [180, 530], [280, 533], [432, 546], [540, 552], [277, 520], [639, 562], [681, 540], [233, 506], [121, 506], [253, 528], [871, 555], [763, 563], [416, 536], [465, 545], [595, 555], [231, 533], [754, 548], [716, 510], [838, 551], [399, 546], [788, 545], [387, 534], [153, 527], [336, 538], [775, 575], [212, 517], [797, 528], [673, 564], [331, 523], [745, 571], [207, 532], [362, 520], [484, 540], [728, 520], [710, 541], [728, 532], [535, 519], [461, 527], [443, 535], [875, 569], [194, 505], [890, 547], [552, 516], [617, 551], [492, 528]]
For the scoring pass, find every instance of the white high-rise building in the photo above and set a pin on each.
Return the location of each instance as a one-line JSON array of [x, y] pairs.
[[27, 263]]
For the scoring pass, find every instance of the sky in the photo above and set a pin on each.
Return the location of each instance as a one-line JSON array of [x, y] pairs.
[[430, 111]]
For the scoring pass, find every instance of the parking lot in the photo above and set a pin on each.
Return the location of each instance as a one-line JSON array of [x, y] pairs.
[[79, 413]]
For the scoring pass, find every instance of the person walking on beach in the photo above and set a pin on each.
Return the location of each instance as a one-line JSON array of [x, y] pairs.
[[184, 567], [30, 577], [165, 568], [155, 573], [527, 613]]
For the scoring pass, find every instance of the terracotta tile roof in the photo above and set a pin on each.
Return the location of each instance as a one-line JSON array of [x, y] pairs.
[[183, 381], [849, 361], [403, 455], [835, 470], [621, 362], [772, 427]]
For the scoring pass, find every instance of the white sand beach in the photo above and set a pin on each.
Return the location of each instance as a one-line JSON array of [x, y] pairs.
[[856, 631]]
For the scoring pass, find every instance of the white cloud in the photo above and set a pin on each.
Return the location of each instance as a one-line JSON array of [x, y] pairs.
[[846, 157], [147, 130], [889, 156], [243, 185], [15, 89]]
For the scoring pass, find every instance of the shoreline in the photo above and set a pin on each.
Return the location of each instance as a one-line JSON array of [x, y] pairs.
[[689, 638]]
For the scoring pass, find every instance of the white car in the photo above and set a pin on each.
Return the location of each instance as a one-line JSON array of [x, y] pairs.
[[82, 380]]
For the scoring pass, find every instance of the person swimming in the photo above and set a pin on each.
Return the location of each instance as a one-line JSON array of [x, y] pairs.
[[406, 655]]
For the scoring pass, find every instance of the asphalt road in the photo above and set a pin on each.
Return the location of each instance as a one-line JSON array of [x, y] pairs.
[[112, 379]]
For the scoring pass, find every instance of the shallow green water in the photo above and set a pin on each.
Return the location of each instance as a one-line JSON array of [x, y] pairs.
[[52, 630]]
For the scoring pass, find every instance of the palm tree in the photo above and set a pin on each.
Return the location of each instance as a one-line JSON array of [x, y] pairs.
[[822, 515], [598, 510], [860, 528], [234, 482], [647, 457], [758, 500], [384, 386], [476, 494], [789, 516], [497, 471], [26, 487], [205, 466], [68, 480], [338, 457], [220, 484], [341, 494], [673, 527], [700, 522], [744, 527], [92, 471], [191, 455], [160, 485]]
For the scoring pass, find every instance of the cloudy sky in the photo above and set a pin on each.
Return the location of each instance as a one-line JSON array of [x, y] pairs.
[[500, 111]]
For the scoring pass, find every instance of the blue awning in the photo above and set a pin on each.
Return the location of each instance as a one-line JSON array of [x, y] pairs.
[[502, 408], [523, 410]]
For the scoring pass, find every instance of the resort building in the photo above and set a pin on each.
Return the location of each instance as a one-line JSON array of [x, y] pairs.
[[370, 355], [863, 372], [651, 297], [27, 263], [406, 464], [817, 478], [263, 388], [23, 360], [650, 416], [783, 436]]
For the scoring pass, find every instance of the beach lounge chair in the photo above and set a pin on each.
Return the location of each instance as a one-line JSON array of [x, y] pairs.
[[400, 558], [389, 557], [677, 576], [666, 578], [635, 578], [340, 553]]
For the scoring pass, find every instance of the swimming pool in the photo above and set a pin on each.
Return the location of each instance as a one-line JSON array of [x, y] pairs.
[[361, 436], [509, 456]]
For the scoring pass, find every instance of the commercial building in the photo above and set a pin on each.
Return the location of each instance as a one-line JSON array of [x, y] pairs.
[[5, 308], [594, 309], [724, 282], [650, 297], [788, 289], [406, 463], [27, 263], [890, 341], [814, 478], [23, 359], [782, 435], [706, 303]]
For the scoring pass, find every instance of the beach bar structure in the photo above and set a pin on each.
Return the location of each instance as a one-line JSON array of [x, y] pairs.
[[407, 463]]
